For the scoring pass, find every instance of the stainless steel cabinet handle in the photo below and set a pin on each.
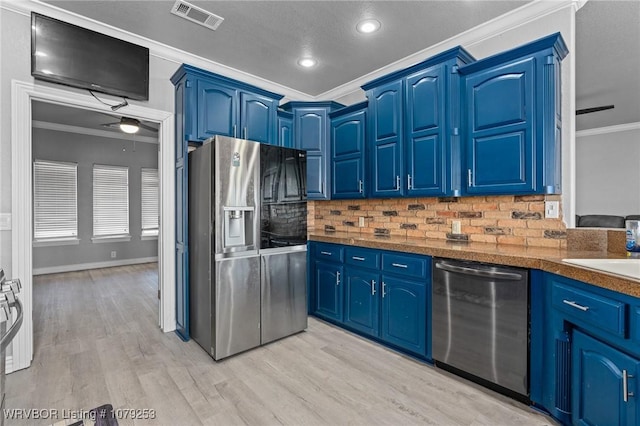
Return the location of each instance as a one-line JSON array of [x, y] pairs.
[[234, 131], [337, 277], [326, 253], [468, 177], [575, 305], [384, 289], [357, 258], [244, 133], [399, 265], [408, 181], [397, 183], [360, 186], [373, 287], [625, 386]]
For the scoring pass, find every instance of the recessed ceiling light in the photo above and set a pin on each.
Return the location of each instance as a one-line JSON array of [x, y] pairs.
[[368, 26], [307, 62]]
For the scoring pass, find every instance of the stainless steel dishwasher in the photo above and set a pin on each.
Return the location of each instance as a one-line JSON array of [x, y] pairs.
[[481, 323]]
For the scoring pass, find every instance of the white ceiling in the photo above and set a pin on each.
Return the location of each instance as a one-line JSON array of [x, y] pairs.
[[265, 39]]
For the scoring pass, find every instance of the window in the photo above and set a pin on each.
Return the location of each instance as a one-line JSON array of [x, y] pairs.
[[55, 200], [149, 202], [110, 201]]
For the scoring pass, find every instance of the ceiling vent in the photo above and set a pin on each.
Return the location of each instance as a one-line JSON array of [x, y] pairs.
[[196, 14]]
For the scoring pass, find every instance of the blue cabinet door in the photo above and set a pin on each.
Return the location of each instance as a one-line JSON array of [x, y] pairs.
[[258, 118], [385, 140], [311, 134], [217, 110], [404, 322], [183, 100], [347, 147], [599, 373], [425, 118], [285, 129], [361, 304], [328, 291], [500, 115]]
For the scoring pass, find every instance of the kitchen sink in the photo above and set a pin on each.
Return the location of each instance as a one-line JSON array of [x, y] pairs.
[[626, 267]]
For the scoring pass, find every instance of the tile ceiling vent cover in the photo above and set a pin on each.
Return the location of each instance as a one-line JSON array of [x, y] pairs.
[[196, 14]]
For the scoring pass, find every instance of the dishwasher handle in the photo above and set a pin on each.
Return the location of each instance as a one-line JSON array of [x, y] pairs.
[[478, 272]]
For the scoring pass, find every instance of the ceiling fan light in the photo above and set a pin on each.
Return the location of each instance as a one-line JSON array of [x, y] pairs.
[[129, 125]]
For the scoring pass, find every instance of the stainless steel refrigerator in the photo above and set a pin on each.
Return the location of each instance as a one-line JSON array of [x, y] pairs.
[[247, 244]]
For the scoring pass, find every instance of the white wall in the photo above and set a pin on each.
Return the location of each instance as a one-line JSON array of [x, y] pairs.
[[608, 173]]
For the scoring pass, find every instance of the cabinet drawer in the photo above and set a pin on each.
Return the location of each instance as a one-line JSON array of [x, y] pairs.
[[329, 252], [604, 313], [362, 257], [405, 265]]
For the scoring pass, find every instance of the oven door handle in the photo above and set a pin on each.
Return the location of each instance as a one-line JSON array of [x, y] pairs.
[[13, 330], [478, 272]]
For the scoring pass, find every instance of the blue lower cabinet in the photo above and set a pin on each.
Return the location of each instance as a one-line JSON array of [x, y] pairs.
[[404, 307], [328, 291], [361, 301], [601, 375]]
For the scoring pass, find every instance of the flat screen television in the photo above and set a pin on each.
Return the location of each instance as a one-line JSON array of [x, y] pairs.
[[75, 56]]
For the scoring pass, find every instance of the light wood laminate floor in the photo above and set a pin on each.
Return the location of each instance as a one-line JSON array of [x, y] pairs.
[[97, 342]]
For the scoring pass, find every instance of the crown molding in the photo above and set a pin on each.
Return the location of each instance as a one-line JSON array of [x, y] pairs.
[[157, 49], [609, 129], [513, 19], [57, 127]]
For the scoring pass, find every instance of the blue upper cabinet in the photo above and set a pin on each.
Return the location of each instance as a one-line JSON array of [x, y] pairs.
[[258, 118], [217, 110], [217, 105], [385, 140], [512, 121], [285, 129], [348, 130], [413, 141], [311, 129]]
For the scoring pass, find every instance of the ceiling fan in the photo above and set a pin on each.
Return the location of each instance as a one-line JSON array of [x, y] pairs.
[[594, 109], [129, 125]]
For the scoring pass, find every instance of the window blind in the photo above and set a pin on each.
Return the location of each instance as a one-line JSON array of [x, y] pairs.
[[110, 200], [149, 201], [55, 200]]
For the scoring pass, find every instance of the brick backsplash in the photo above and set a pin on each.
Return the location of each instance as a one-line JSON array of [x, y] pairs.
[[493, 219]]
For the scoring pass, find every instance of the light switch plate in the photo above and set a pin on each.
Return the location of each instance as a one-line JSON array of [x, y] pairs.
[[361, 222], [5, 221], [552, 209], [456, 227]]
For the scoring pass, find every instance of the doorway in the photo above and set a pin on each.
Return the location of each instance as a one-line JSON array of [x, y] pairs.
[[23, 94]]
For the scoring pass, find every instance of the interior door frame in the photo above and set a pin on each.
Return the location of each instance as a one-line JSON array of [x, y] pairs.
[[22, 95]]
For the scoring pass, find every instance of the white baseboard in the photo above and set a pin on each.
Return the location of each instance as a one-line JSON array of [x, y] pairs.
[[94, 265]]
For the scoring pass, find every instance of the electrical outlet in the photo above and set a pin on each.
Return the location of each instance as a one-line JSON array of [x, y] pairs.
[[113, 254], [552, 209], [456, 227], [361, 222]]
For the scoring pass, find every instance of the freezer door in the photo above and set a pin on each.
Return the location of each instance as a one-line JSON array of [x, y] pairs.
[[284, 293], [237, 305]]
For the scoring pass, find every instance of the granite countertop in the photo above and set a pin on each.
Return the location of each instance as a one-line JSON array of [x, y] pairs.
[[546, 259]]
